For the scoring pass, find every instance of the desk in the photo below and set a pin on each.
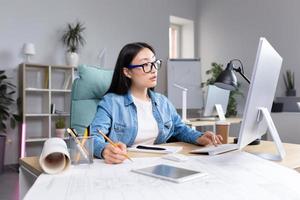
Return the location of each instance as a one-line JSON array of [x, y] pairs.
[[193, 122], [30, 168], [234, 175], [28, 172]]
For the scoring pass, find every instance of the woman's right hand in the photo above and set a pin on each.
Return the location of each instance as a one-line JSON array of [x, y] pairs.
[[114, 155]]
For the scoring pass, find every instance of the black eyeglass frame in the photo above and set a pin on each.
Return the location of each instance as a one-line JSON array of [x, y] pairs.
[[156, 64]]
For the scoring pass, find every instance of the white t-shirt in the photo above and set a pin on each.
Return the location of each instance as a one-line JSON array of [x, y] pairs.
[[147, 125]]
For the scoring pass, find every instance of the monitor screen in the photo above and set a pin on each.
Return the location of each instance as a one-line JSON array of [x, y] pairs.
[[261, 93], [215, 96]]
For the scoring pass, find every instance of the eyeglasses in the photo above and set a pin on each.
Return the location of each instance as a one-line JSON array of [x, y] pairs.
[[147, 67]]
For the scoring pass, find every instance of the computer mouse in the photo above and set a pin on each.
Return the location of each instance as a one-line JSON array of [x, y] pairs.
[[176, 157]]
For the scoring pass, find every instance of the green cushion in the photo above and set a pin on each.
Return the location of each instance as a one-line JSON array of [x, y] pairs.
[[86, 92], [92, 83], [82, 113]]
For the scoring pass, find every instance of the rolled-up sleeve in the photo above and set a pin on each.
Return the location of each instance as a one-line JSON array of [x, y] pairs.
[[182, 131], [101, 121]]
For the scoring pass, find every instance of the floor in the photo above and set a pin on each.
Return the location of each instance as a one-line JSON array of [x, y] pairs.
[[9, 184]]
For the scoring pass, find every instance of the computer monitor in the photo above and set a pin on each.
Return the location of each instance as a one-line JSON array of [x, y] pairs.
[[215, 96], [256, 117]]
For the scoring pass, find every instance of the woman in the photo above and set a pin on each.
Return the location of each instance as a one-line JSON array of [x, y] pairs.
[[132, 113]]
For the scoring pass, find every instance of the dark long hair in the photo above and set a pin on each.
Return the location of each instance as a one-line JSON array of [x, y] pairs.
[[120, 84]]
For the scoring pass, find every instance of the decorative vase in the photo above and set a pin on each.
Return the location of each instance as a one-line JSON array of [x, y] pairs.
[[291, 92], [72, 58], [60, 132]]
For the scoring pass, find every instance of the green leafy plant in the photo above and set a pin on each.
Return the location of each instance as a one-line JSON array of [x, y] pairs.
[[7, 90], [289, 80], [232, 104], [214, 72], [60, 123], [72, 37]]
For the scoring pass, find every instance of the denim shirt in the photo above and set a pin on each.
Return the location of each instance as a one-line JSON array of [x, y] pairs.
[[116, 116]]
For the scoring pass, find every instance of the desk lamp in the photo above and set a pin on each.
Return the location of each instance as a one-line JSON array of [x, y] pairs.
[[228, 81], [28, 51], [184, 96]]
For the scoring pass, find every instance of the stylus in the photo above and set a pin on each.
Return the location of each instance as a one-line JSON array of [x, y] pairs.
[[150, 148]]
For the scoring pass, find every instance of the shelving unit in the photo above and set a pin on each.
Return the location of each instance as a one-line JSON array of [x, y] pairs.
[[42, 86]]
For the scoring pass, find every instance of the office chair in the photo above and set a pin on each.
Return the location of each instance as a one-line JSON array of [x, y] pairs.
[[87, 90]]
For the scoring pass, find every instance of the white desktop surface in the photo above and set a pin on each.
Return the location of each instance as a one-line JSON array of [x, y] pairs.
[[235, 175]]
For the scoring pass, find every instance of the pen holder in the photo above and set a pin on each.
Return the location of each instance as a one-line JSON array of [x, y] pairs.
[[81, 150]]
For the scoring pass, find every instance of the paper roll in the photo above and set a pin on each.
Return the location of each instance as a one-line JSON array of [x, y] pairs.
[[55, 156]]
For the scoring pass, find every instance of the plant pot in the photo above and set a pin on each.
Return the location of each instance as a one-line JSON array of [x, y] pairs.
[[291, 92], [277, 107], [60, 132], [72, 58], [2, 152]]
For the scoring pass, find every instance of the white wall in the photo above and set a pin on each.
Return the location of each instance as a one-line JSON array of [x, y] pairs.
[[287, 125], [110, 24], [231, 29]]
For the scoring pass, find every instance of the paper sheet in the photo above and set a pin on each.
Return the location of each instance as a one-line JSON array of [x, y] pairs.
[[235, 175], [55, 156]]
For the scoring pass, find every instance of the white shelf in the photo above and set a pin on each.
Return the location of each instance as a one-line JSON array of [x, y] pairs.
[[58, 115], [36, 115], [36, 90], [41, 139], [36, 139], [41, 86], [60, 90]]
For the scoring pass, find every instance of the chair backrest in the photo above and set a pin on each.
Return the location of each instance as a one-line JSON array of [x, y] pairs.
[[87, 90]]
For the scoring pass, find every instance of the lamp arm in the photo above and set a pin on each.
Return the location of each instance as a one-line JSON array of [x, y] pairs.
[[243, 75], [240, 70]]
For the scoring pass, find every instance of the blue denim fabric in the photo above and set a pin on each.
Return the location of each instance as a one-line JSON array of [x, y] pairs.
[[116, 116]]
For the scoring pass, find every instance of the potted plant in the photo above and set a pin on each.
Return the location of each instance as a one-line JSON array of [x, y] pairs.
[[73, 40], [289, 81], [214, 72], [7, 90], [60, 126]]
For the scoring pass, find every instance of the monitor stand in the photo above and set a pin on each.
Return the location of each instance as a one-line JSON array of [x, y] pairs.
[[220, 114], [263, 112]]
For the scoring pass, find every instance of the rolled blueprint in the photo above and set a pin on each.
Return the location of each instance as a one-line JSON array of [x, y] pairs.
[[55, 156]]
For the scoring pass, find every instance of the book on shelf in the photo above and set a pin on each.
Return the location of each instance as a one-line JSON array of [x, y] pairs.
[[60, 112], [52, 111], [46, 79], [67, 81]]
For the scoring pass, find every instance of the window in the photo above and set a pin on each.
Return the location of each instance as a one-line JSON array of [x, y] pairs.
[[181, 38], [174, 41]]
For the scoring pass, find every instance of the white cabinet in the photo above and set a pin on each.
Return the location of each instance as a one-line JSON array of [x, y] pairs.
[[46, 95]]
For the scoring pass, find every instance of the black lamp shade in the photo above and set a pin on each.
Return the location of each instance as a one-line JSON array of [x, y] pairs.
[[227, 79]]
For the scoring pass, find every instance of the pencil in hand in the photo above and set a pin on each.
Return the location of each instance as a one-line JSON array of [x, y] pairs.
[[113, 144]]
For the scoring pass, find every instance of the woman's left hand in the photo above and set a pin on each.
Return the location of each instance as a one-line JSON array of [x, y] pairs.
[[209, 138]]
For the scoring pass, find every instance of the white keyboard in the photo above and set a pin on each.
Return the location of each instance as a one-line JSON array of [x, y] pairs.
[[214, 150]]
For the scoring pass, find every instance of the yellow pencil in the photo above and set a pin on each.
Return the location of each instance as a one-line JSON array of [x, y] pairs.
[[112, 143], [81, 148], [85, 136]]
